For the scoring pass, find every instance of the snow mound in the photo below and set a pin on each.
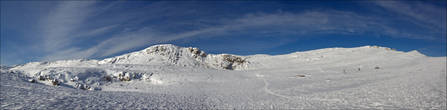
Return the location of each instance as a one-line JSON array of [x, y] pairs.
[[415, 53], [167, 54], [87, 78]]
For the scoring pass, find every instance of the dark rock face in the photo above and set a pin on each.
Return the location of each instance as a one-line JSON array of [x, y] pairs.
[[232, 61]]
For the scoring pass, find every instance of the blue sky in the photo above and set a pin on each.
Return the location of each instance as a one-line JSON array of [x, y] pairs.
[[55, 30]]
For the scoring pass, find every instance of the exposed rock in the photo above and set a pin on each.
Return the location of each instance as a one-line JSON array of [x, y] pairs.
[[196, 52], [76, 78], [31, 80], [147, 76], [82, 86], [166, 54], [300, 75], [231, 61], [107, 78], [55, 82], [39, 77]]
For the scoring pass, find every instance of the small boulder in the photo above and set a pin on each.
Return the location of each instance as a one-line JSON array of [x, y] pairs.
[[300, 75], [94, 88], [32, 80], [147, 76], [81, 86], [40, 78], [76, 78], [55, 82], [107, 78]]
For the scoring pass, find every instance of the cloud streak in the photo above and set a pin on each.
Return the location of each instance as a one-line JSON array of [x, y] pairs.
[[297, 24], [417, 10], [73, 24], [422, 14], [62, 23]]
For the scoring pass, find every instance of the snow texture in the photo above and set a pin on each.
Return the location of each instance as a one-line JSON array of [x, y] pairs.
[[171, 77]]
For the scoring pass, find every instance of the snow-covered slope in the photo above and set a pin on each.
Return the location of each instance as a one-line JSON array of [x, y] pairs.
[[167, 54], [366, 56], [337, 78]]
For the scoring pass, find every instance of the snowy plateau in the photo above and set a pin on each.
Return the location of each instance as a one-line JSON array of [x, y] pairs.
[[171, 77]]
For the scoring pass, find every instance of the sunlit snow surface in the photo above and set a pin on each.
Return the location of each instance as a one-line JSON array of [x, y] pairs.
[[171, 77]]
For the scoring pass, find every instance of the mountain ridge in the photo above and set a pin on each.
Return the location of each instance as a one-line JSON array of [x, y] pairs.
[[155, 63], [168, 54]]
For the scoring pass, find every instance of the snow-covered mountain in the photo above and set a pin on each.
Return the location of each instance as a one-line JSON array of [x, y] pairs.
[[91, 73], [336, 77], [165, 54], [168, 54], [134, 65]]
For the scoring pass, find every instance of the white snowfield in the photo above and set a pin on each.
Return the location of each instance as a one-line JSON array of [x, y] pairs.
[[170, 77]]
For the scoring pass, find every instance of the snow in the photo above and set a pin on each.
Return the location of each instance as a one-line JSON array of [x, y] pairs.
[[167, 54], [171, 77]]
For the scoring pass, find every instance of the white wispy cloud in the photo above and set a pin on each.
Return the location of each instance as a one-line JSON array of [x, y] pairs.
[[96, 31], [298, 24], [59, 26], [66, 26], [62, 27], [420, 13], [144, 37], [417, 10]]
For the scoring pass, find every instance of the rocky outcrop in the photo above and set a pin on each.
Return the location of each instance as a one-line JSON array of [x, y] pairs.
[[167, 54]]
